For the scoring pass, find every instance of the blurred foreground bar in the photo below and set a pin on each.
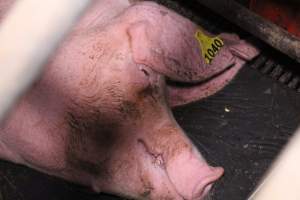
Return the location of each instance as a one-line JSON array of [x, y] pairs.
[[283, 179], [28, 35]]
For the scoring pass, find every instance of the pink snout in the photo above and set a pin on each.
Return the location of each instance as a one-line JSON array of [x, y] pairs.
[[191, 175]]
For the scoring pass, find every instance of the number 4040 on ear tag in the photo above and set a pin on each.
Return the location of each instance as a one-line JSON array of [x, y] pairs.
[[210, 46]]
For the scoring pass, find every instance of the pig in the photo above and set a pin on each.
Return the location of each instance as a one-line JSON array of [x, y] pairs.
[[100, 115]]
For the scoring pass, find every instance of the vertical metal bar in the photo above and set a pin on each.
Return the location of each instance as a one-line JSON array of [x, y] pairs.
[[30, 32]]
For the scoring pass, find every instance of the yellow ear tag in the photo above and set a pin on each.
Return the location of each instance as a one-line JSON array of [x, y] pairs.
[[210, 46]]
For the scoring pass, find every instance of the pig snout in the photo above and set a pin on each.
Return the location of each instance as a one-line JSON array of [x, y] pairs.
[[186, 169], [152, 157], [194, 178]]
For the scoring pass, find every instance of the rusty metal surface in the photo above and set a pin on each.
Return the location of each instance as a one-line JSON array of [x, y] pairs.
[[265, 30], [282, 13]]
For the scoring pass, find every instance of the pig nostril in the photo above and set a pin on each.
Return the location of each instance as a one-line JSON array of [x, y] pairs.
[[202, 189], [201, 192]]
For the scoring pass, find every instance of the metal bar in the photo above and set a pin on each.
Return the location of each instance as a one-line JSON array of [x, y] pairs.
[[258, 26], [28, 35], [283, 180]]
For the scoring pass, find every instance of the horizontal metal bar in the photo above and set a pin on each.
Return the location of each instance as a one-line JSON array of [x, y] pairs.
[[29, 34], [267, 31]]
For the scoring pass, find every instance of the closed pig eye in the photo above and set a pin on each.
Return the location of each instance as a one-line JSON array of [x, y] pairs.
[[144, 70]]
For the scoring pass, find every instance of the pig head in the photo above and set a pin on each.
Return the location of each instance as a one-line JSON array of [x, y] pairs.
[[100, 115]]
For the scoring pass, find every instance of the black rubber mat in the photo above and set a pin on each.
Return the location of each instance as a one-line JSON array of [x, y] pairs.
[[241, 128]]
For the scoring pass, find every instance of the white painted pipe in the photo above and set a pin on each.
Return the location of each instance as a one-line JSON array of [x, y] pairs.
[[283, 180], [28, 35]]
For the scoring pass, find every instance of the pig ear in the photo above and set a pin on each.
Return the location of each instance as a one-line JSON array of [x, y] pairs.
[[240, 48], [166, 51], [175, 53], [181, 94]]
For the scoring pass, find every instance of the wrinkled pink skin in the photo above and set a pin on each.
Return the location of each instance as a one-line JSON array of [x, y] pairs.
[[100, 115]]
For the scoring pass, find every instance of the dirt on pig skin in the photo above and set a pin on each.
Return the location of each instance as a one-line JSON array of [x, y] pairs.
[[100, 114]]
